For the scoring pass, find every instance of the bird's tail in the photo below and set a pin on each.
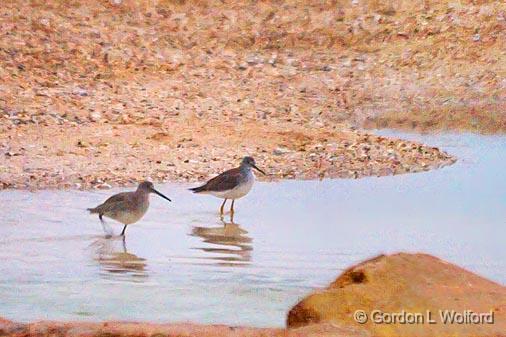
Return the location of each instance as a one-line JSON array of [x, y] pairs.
[[92, 210], [198, 189]]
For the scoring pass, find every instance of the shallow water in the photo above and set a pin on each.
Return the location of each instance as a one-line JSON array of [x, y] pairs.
[[182, 263]]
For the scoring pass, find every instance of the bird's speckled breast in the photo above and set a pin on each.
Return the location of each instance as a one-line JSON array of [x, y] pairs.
[[134, 213]]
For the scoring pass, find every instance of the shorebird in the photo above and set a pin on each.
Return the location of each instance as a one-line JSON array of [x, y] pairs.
[[127, 207], [232, 184]]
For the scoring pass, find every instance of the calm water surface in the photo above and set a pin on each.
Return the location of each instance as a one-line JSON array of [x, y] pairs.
[[182, 263]]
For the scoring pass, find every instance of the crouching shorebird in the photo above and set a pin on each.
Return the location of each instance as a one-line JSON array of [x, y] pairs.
[[127, 207], [232, 184]]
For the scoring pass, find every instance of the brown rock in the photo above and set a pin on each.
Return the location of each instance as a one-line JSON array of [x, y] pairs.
[[413, 283], [8, 327]]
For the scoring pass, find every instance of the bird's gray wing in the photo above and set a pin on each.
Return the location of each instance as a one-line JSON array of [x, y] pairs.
[[112, 202], [225, 181]]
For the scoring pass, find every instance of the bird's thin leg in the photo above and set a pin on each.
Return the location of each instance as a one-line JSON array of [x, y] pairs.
[[222, 205], [104, 227], [123, 231], [232, 207]]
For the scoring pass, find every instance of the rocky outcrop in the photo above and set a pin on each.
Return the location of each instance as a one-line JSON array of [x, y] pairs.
[[398, 295], [386, 288]]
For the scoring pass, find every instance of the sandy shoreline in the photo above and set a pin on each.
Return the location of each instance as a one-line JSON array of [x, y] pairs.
[[179, 92], [104, 155], [144, 329]]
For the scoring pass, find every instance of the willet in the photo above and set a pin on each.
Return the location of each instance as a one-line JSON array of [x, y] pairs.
[[232, 184], [127, 207]]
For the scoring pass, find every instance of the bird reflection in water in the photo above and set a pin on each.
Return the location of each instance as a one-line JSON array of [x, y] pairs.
[[114, 258], [234, 248]]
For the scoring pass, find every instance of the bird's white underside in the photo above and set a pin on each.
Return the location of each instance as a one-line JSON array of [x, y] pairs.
[[130, 217], [237, 192]]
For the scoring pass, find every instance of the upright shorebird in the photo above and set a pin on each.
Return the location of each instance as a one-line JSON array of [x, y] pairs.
[[232, 184], [127, 207]]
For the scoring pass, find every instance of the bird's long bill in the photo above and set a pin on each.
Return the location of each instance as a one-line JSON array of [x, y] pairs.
[[160, 194], [259, 170]]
